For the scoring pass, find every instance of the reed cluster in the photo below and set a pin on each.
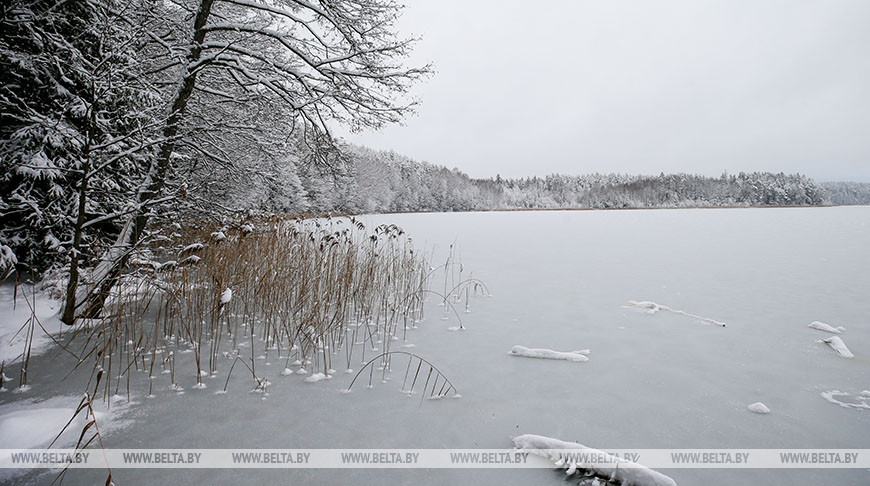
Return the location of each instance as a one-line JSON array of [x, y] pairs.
[[319, 295]]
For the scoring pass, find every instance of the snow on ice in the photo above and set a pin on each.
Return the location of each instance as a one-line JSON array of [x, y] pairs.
[[549, 354], [29, 424], [821, 326], [847, 400], [13, 320], [837, 344], [759, 408], [314, 378], [621, 470]]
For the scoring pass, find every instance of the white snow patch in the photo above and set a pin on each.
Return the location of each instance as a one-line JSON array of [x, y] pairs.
[[190, 260], [29, 424], [758, 407], [315, 378], [621, 470], [860, 402], [837, 344], [652, 308], [821, 326], [193, 247], [547, 354], [226, 296], [14, 326], [286, 372]]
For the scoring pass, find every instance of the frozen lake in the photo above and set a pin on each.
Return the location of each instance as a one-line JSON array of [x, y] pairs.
[[561, 280]]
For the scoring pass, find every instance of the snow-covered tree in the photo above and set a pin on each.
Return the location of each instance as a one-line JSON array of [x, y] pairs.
[[314, 62]]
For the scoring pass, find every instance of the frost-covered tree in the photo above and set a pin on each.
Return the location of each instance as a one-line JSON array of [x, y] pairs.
[[76, 117], [314, 61]]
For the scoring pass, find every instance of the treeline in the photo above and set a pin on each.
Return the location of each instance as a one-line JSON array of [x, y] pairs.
[[848, 193], [384, 181]]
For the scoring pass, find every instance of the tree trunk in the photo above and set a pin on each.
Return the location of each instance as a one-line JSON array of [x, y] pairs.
[[90, 298]]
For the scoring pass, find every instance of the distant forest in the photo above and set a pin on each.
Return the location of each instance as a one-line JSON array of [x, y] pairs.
[[385, 181]]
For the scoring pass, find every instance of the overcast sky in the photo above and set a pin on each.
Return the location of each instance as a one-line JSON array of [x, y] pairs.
[[578, 86]]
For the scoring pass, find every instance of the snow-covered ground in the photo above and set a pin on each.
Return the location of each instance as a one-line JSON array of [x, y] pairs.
[[560, 281], [15, 327]]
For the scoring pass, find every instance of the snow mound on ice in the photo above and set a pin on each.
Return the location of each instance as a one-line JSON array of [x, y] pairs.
[[838, 345], [315, 378], [547, 354], [821, 326], [619, 470], [758, 407], [652, 308]]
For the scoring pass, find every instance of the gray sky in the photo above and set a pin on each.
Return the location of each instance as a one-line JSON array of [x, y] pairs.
[[531, 88]]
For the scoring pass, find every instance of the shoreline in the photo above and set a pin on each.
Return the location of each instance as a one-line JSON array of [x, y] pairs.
[[509, 210]]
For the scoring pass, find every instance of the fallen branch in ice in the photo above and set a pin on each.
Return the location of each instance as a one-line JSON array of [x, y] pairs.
[[821, 326], [549, 354], [652, 308], [838, 345], [572, 456]]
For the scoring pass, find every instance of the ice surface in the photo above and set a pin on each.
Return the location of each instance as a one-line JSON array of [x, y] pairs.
[[547, 354], [836, 343], [821, 326], [758, 407], [624, 471], [559, 278]]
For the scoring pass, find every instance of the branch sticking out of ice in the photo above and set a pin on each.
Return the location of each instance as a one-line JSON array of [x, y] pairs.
[[549, 354], [759, 408], [821, 326], [652, 308], [838, 345], [571, 455]]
